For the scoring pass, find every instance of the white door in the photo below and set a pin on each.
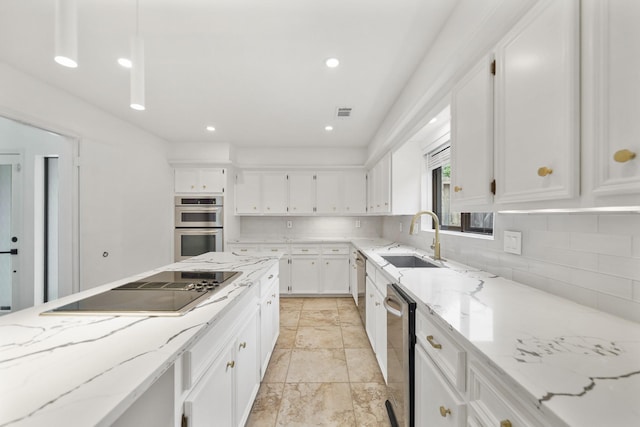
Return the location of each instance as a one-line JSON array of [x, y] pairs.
[[9, 230]]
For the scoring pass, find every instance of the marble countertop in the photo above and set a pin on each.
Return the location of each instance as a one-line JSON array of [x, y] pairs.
[[577, 365], [87, 370]]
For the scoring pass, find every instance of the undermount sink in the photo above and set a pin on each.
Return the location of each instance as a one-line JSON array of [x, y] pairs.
[[408, 261]]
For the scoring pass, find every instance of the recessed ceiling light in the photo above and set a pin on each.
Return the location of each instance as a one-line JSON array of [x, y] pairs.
[[328, 128], [211, 128], [138, 107], [332, 62], [124, 62], [435, 119]]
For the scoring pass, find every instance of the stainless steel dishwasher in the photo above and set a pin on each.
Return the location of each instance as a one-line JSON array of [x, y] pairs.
[[362, 278], [401, 340]]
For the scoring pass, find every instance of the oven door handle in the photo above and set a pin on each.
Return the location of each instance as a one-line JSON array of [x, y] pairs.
[[394, 311]]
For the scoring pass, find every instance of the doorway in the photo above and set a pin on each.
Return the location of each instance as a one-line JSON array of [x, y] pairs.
[[38, 215], [10, 216]]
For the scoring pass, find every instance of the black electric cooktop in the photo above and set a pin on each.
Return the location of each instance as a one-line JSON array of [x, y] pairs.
[[168, 293]]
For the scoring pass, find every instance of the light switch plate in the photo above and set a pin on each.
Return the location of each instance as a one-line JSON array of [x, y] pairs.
[[513, 242], [357, 223], [289, 224]]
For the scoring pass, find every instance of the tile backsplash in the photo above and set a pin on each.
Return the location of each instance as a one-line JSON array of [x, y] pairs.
[[303, 226], [593, 259]]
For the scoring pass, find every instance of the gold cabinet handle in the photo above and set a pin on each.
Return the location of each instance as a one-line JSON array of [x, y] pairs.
[[457, 189], [444, 411], [544, 171], [243, 345], [625, 155], [335, 250], [271, 275], [433, 343], [255, 208], [505, 423], [193, 186], [231, 364], [268, 208]]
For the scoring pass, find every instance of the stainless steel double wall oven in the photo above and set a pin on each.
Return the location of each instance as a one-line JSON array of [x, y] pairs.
[[198, 226]]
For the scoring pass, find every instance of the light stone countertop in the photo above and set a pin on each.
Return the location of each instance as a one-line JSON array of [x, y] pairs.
[[577, 365], [87, 370]]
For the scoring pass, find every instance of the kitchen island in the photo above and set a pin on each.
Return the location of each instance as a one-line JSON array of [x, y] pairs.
[[133, 370]]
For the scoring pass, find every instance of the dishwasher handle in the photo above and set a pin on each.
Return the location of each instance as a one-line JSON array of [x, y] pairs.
[[394, 311]]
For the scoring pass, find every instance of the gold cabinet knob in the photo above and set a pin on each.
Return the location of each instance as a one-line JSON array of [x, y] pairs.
[[243, 345], [622, 156], [255, 208], [544, 171], [268, 208], [433, 343], [505, 423], [204, 186], [231, 364], [457, 189], [193, 186], [444, 411]]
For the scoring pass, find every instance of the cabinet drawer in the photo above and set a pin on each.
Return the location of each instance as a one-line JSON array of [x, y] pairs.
[[491, 404], [268, 279], [242, 247], [446, 353], [304, 250], [275, 249], [335, 249]]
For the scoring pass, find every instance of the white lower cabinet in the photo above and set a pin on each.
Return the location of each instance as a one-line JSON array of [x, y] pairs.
[[491, 403], [211, 401], [376, 316], [436, 403], [269, 320], [247, 368], [305, 274], [225, 392]]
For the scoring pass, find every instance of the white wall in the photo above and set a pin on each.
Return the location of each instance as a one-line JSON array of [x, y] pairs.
[[124, 178], [591, 259]]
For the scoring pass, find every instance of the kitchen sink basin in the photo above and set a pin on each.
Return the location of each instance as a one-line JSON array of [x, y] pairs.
[[408, 261]]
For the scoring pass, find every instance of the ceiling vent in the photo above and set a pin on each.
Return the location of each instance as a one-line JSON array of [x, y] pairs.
[[343, 112]]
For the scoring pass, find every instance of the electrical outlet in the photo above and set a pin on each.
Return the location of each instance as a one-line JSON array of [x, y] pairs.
[[401, 226], [513, 242], [289, 224], [357, 223]]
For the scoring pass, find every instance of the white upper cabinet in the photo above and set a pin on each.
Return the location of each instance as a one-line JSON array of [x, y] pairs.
[[274, 193], [537, 106], [380, 186], [207, 180], [248, 193], [355, 192], [302, 194], [616, 99], [330, 192], [472, 139]]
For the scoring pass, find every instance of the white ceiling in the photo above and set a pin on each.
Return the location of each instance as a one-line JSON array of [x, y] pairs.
[[254, 69]]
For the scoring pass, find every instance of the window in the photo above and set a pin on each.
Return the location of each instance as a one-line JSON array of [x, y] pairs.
[[438, 166]]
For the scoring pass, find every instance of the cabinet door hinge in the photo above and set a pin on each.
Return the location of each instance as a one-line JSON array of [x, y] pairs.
[[314, 209], [185, 421], [287, 177], [222, 171], [315, 177], [493, 187], [223, 189], [493, 67]]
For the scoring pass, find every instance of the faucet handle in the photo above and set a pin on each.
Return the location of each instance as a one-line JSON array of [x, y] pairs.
[[433, 243]]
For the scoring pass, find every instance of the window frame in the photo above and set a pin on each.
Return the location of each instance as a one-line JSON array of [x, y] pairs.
[[433, 185]]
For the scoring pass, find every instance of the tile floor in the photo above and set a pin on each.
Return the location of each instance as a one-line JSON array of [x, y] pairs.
[[322, 371]]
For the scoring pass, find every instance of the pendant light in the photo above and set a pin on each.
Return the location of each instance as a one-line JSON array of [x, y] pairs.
[[137, 66], [66, 33]]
